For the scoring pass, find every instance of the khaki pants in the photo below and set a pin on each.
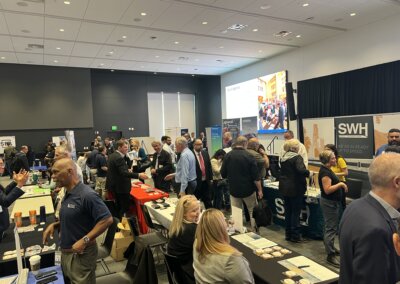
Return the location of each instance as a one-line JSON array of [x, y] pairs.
[[101, 187], [251, 202], [80, 268]]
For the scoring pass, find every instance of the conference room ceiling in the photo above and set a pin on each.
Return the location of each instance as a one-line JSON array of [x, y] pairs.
[[202, 37]]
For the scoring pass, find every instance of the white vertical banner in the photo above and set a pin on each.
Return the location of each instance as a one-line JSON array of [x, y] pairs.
[[69, 134]]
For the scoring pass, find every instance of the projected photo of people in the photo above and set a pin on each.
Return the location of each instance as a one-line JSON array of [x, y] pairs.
[[272, 102]]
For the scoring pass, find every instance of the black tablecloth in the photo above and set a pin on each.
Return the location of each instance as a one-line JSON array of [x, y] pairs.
[[9, 266], [265, 271]]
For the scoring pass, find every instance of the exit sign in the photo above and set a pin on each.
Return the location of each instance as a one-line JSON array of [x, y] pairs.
[[114, 127]]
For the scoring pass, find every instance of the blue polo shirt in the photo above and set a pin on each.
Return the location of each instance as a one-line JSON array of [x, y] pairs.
[[81, 209]]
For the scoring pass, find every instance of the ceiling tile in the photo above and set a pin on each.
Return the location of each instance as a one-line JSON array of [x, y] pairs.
[[23, 6], [3, 24], [85, 49], [9, 57], [131, 35], [21, 44], [111, 52], [153, 8], [53, 26], [76, 9], [106, 10], [25, 25], [80, 62], [55, 60], [97, 33], [27, 58], [6, 43], [58, 47]]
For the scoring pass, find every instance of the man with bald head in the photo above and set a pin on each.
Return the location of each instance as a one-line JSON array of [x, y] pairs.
[[366, 231], [83, 217]]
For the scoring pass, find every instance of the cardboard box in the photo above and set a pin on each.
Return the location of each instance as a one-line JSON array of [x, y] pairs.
[[120, 244]]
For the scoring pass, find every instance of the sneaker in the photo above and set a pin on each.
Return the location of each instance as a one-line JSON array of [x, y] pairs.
[[333, 260]]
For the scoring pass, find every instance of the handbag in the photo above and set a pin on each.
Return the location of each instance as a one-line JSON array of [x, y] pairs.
[[262, 214]]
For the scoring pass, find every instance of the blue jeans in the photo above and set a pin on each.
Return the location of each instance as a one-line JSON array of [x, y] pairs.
[[293, 207], [330, 210]]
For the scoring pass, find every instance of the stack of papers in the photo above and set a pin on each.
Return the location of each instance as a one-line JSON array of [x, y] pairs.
[[254, 241]]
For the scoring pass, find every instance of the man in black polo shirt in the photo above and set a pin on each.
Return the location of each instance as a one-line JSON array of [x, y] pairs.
[[240, 168], [83, 217]]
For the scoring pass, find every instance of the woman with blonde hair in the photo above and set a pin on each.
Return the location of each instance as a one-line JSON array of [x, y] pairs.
[[182, 233], [214, 259]]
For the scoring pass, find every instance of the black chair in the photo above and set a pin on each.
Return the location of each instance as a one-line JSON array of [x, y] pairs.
[[174, 269], [354, 188], [149, 221], [106, 246], [123, 277]]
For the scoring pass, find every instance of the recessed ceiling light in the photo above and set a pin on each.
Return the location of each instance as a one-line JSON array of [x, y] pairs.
[[101, 64], [353, 14], [58, 48], [2, 57], [224, 31], [298, 36], [221, 47], [204, 23], [124, 36], [143, 14], [112, 70], [176, 42], [61, 30], [306, 5], [55, 61], [157, 56], [260, 51], [67, 2], [255, 30], [111, 52]]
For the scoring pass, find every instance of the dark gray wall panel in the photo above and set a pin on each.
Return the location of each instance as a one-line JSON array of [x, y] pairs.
[[43, 97]]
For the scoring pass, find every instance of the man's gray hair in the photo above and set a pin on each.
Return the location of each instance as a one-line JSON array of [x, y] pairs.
[[241, 141], [181, 141]]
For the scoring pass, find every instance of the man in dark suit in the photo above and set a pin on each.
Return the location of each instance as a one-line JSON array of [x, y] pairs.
[[119, 177], [368, 224], [203, 172], [9, 195], [161, 166], [21, 160]]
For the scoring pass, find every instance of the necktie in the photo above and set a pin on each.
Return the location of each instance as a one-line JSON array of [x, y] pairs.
[[157, 161], [202, 167]]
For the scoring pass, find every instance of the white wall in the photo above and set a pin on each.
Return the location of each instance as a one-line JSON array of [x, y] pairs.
[[372, 44]]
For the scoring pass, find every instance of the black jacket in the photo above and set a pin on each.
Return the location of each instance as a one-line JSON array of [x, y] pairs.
[[207, 165], [7, 197], [118, 177], [164, 168], [21, 162], [292, 181]]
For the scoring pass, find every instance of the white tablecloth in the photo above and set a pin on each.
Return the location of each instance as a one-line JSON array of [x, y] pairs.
[[163, 215]]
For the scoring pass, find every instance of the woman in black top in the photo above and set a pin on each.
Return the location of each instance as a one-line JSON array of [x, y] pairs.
[[182, 233], [292, 185], [332, 191]]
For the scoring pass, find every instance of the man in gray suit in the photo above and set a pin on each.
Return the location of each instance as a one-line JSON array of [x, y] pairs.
[[367, 227]]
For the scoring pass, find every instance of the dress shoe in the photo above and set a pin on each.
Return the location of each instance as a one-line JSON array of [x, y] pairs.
[[297, 240], [333, 260]]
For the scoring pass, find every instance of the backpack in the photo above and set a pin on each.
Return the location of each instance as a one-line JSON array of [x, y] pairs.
[[262, 214]]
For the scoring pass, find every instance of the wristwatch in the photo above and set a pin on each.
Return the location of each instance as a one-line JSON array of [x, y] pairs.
[[86, 239]]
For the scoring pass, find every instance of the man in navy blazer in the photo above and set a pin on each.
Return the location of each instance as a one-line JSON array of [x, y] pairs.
[[9, 195], [367, 227]]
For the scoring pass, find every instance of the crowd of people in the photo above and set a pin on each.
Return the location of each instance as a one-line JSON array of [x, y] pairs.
[[368, 228]]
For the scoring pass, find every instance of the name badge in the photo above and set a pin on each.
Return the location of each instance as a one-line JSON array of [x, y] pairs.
[[160, 166], [71, 205]]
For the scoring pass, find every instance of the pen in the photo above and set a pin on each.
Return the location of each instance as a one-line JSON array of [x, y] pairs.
[[303, 266]]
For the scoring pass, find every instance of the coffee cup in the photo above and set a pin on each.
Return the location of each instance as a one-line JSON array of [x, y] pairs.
[[35, 263]]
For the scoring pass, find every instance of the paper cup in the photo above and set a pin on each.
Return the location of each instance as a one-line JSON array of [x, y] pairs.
[[35, 263]]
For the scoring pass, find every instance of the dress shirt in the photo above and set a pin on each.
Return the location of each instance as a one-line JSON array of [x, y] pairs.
[[185, 169], [168, 148]]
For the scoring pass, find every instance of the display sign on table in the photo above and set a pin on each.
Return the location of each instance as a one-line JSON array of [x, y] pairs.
[[4, 140]]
